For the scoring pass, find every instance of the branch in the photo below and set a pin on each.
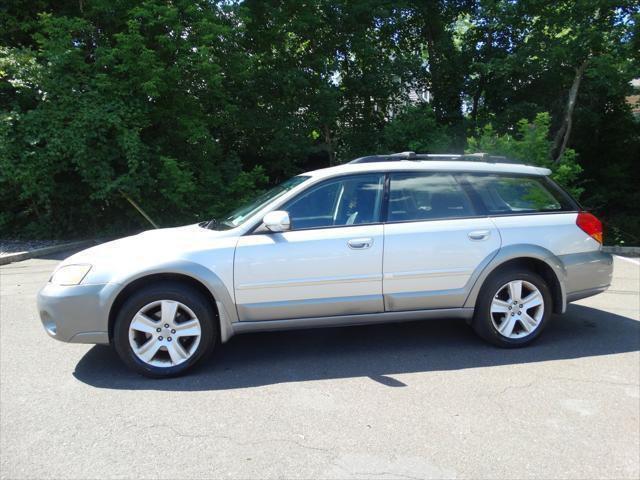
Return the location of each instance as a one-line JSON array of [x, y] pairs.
[[138, 208]]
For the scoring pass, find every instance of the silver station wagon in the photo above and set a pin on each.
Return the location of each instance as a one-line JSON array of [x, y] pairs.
[[381, 239]]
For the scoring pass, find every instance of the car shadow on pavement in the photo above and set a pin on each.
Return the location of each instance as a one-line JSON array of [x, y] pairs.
[[374, 351]]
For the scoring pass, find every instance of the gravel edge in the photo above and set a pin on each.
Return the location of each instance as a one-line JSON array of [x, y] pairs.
[[18, 257]]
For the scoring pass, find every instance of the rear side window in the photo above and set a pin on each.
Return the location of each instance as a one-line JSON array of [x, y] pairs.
[[416, 196], [504, 194]]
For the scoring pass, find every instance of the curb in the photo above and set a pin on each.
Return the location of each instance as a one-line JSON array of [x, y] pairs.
[[18, 257], [617, 250]]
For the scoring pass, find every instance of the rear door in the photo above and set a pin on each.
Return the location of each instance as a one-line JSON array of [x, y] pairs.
[[434, 241]]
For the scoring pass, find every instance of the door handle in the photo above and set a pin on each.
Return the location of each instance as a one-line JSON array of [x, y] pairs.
[[479, 234], [360, 243]]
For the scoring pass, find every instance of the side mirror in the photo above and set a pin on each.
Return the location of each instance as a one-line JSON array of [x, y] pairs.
[[277, 221]]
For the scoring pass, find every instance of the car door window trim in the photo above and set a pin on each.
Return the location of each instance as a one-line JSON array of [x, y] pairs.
[[320, 184], [447, 178], [476, 202]]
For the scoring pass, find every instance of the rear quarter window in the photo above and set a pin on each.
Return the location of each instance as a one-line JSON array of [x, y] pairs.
[[510, 194]]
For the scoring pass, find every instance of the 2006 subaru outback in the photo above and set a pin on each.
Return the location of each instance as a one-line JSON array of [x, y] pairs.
[[383, 238]]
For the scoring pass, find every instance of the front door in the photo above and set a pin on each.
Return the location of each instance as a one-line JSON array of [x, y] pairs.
[[328, 264]]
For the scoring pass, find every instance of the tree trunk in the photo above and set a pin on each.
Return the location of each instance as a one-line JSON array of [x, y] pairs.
[[562, 136], [445, 78], [328, 139], [476, 101]]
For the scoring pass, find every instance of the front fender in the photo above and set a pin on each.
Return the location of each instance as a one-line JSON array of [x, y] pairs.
[[224, 301]]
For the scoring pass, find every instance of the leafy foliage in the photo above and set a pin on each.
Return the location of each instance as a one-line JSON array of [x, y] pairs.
[[191, 107], [531, 144], [416, 129]]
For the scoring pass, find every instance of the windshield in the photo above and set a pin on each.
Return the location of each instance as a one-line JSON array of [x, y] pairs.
[[237, 217]]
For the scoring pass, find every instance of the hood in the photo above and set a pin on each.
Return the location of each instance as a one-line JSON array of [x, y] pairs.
[[148, 248]]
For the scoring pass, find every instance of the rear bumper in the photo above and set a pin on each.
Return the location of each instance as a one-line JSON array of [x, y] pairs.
[[587, 274], [74, 314]]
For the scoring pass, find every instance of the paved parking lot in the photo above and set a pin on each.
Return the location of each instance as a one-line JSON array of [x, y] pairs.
[[415, 400]]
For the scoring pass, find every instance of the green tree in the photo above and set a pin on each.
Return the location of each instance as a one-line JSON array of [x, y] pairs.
[[92, 113], [416, 129], [188, 107], [530, 144]]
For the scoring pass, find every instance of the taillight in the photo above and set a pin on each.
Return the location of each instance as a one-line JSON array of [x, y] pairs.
[[590, 225]]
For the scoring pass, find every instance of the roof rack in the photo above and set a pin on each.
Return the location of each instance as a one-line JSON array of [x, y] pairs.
[[413, 156], [386, 158]]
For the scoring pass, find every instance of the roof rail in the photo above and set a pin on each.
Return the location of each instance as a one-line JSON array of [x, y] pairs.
[[386, 158], [466, 157], [485, 157]]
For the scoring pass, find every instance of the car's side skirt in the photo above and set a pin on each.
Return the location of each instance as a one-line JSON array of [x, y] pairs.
[[310, 308], [347, 320]]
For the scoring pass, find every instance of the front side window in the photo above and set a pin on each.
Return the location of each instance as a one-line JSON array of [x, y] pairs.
[[504, 194], [353, 200], [416, 196]]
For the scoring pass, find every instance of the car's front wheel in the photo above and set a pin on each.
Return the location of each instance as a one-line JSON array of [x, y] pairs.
[[164, 329], [513, 308]]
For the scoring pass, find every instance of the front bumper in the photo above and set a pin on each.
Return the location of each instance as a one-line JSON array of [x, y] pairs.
[[76, 313], [588, 274]]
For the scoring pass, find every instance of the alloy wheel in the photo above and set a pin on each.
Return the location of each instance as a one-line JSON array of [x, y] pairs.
[[517, 309], [164, 333]]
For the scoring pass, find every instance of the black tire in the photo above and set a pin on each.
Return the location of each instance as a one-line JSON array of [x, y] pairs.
[[482, 320], [168, 290]]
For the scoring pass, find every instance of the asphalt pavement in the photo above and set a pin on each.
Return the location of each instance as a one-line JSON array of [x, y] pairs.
[[413, 400]]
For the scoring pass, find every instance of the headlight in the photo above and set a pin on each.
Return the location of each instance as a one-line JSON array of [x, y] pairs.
[[70, 275]]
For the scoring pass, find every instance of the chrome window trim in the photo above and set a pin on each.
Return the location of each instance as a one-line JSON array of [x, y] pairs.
[[440, 219], [384, 207], [554, 212]]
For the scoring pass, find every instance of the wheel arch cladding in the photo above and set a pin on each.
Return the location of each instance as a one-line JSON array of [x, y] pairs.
[[541, 268], [156, 278], [532, 258]]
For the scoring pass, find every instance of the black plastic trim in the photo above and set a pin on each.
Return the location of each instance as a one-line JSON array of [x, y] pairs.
[[384, 212]]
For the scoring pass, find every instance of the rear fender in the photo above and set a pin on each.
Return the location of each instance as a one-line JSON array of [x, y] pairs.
[[515, 252]]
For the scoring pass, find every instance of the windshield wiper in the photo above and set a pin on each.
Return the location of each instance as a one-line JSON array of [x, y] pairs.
[[211, 223], [214, 224]]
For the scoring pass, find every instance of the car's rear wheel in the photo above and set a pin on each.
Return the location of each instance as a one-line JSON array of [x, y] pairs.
[[164, 329], [513, 308]]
